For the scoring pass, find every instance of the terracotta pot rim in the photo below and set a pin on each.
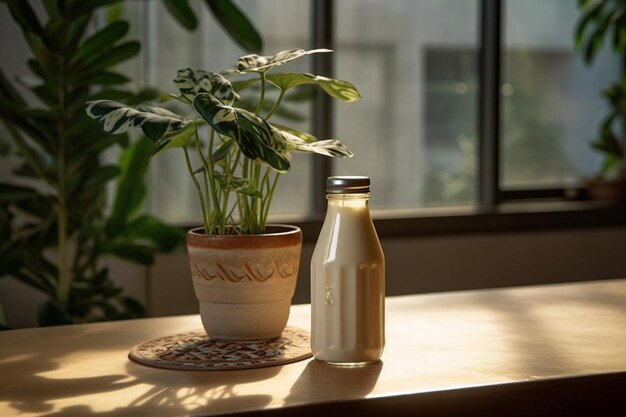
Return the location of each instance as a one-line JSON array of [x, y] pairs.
[[280, 235], [291, 229]]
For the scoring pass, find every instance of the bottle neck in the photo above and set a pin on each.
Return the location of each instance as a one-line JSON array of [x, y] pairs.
[[353, 200]]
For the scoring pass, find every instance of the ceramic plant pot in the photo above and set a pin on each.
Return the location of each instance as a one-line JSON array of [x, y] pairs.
[[244, 283]]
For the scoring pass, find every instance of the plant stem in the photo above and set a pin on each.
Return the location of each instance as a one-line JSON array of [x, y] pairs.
[[275, 106], [208, 168], [62, 209], [269, 198], [197, 184], [209, 162], [262, 98], [256, 212]]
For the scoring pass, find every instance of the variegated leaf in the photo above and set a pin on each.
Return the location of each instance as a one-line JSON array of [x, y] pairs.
[[157, 110], [178, 139], [307, 137], [190, 83], [253, 135], [339, 89], [119, 118], [258, 63], [329, 147]]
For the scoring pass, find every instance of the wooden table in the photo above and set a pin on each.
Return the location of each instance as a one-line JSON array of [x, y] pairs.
[[544, 350]]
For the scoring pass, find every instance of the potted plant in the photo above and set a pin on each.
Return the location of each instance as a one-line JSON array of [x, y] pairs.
[[243, 270], [598, 20]]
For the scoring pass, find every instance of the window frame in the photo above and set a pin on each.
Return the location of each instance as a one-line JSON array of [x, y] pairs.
[[496, 210]]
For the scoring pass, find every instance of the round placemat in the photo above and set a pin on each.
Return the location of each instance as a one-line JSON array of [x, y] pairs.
[[196, 351]]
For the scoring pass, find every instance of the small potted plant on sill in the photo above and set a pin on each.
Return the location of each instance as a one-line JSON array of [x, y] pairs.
[[599, 20], [244, 270]]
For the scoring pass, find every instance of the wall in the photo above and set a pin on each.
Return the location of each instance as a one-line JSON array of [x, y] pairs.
[[414, 265], [431, 264]]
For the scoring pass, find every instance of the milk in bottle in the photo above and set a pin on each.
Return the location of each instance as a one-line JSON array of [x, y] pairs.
[[348, 279]]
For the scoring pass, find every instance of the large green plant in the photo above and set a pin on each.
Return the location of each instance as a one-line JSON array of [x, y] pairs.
[[54, 225], [243, 153], [601, 19], [53, 213]]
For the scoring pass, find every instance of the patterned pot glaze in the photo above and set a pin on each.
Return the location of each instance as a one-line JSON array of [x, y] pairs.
[[245, 283]]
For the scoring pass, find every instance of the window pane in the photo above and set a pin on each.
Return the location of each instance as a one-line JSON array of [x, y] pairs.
[[414, 131], [166, 47], [551, 100]]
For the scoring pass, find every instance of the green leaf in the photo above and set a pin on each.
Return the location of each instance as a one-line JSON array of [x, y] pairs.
[[52, 314], [38, 70], [257, 63], [80, 8], [36, 130], [237, 184], [191, 83], [593, 46], [588, 16], [24, 15], [8, 93], [133, 252], [36, 46], [107, 58], [253, 134], [179, 139], [307, 137], [339, 89], [102, 78], [610, 165], [134, 308], [619, 34], [329, 147], [181, 11], [301, 93], [10, 192], [102, 40], [119, 118], [236, 24], [101, 176], [114, 12], [54, 36], [51, 8], [142, 96], [243, 84], [130, 189], [162, 236], [76, 29]]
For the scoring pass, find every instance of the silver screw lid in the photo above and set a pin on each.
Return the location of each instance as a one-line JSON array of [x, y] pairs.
[[347, 185]]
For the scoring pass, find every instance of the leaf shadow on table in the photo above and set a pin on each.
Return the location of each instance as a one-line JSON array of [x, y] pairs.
[[37, 392], [320, 382], [158, 391], [194, 390]]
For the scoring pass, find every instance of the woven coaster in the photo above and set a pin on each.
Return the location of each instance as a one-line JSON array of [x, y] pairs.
[[196, 351]]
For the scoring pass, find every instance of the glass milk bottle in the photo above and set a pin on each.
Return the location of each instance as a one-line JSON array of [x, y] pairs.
[[348, 279]]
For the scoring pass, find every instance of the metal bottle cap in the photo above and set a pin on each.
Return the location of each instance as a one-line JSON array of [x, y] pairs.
[[347, 185]]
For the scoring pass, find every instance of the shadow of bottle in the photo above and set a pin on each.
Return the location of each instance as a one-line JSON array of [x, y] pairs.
[[321, 382]]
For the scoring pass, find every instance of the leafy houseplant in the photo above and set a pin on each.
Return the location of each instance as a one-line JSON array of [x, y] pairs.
[[599, 20], [54, 224], [244, 155], [241, 159]]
